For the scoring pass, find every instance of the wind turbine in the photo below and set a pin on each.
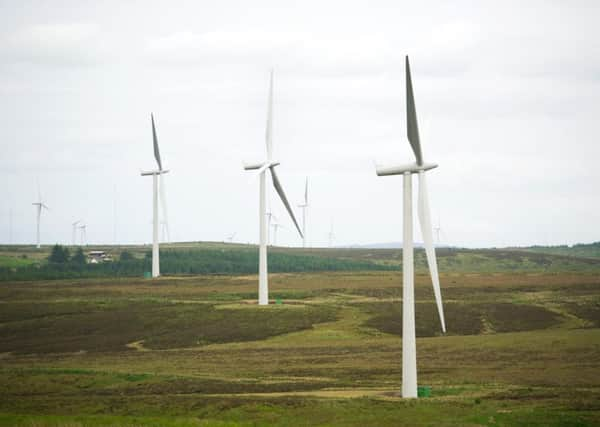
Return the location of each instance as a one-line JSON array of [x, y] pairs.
[[82, 235], [304, 206], [231, 236], [438, 229], [74, 233], [155, 174], [268, 165], [275, 226], [10, 226], [409, 351], [331, 235], [39, 205], [164, 228]]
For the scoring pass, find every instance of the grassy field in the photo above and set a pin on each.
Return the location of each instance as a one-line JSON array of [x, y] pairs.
[[522, 348]]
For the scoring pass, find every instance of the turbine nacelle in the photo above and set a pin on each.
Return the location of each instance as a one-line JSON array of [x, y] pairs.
[[385, 170], [254, 166]]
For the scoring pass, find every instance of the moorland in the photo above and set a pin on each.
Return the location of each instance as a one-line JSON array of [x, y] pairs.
[[84, 347]]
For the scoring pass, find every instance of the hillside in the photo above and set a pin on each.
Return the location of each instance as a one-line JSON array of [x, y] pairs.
[[27, 263]]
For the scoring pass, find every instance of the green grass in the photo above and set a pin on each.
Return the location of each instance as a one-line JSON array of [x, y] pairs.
[[521, 349], [15, 262]]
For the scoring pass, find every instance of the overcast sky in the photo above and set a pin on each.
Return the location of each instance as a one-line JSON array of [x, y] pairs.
[[508, 101]]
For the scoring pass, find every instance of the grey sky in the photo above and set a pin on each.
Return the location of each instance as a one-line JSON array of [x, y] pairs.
[[507, 99]]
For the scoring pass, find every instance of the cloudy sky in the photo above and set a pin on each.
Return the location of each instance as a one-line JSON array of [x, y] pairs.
[[508, 99]]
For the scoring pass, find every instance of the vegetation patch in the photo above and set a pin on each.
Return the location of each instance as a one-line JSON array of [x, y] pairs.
[[59, 328], [461, 318], [587, 310]]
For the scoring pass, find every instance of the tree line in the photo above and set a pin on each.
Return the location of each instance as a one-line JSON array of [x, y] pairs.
[[61, 264]]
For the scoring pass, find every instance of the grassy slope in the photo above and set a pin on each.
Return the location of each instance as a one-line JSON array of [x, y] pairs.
[[340, 367], [589, 250]]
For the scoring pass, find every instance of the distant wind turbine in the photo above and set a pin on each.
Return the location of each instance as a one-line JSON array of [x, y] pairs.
[[155, 174], [115, 214], [437, 230], [39, 205], [409, 348], [10, 226], [304, 207], [331, 235], [230, 237], [83, 234], [262, 167], [74, 231], [164, 230], [275, 226]]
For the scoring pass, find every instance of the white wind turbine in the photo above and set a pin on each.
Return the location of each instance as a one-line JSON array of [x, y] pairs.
[[276, 225], [304, 207], [409, 351], [74, 232], [331, 235], [39, 205], [268, 165], [82, 235], [155, 174]]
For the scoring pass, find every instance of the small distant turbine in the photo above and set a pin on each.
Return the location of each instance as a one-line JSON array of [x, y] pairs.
[[409, 348], [74, 232], [331, 235], [83, 235], [268, 165], [304, 207], [230, 237], [437, 230], [39, 205], [275, 226], [155, 174], [10, 226], [164, 230]]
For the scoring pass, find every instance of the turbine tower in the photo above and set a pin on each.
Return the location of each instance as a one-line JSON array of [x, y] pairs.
[[155, 174], [166, 234], [268, 165], [409, 352], [39, 205], [304, 205], [74, 231]]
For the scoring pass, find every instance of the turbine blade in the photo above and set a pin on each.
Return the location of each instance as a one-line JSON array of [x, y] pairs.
[[426, 231], [284, 199], [411, 118], [269, 133], [155, 140]]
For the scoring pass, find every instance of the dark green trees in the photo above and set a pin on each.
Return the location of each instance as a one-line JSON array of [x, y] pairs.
[[59, 255]]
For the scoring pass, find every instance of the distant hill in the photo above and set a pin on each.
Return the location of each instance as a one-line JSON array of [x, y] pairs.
[[583, 250], [390, 245]]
